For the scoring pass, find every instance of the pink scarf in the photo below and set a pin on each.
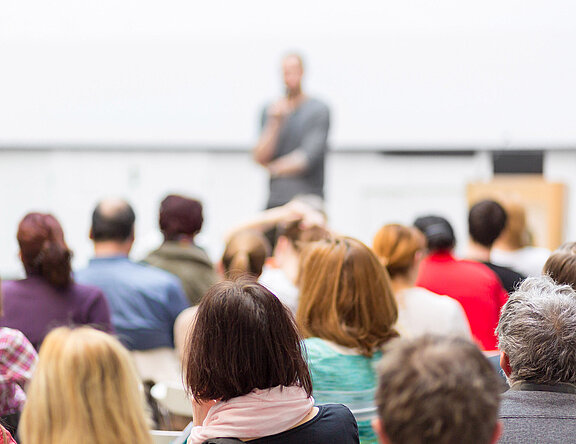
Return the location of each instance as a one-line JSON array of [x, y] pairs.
[[257, 414]]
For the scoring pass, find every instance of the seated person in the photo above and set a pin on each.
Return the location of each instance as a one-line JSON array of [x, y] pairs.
[[245, 370], [49, 297], [472, 284], [280, 273], [401, 249], [561, 265], [486, 221], [538, 354], [436, 390], [144, 300], [84, 390], [245, 254], [180, 221], [347, 312], [514, 247], [17, 361]]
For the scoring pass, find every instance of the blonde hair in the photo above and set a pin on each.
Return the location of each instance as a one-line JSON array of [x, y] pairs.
[[85, 389], [396, 245], [245, 253], [345, 295]]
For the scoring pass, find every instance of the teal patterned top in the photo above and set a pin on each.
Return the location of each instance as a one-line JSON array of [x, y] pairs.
[[348, 379]]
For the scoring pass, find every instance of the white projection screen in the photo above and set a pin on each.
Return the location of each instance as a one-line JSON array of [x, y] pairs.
[[401, 74]]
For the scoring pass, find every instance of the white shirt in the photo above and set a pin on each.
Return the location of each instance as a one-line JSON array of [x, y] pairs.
[[422, 311], [528, 260]]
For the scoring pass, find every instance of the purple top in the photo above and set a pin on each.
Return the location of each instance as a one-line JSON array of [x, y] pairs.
[[35, 307]]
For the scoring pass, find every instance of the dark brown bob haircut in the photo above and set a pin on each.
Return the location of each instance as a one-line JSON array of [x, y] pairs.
[[243, 339]]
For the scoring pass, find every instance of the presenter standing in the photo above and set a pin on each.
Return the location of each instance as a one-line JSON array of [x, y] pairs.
[[293, 142]]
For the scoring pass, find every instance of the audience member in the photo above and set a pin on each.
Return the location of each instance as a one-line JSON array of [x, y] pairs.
[[346, 313], [401, 249], [486, 220], [84, 390], [538, 354], [245, 253], [561, 265], [514, 247], [17, 360], [472, 284], [180, 221], [49, 297], [144, 300], [436, 390], [280, 273], [246, 372], [287, 228]]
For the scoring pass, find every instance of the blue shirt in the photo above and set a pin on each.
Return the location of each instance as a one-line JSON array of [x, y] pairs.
[[144, 300]]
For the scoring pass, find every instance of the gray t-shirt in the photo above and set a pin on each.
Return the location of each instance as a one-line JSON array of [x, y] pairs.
[[305, 129]]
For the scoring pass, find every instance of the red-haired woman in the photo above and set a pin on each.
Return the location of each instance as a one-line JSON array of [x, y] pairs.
[[48, 297]]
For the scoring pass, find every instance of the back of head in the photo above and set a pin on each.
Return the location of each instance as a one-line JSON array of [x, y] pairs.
[[112, 220], [396, 246], [536, 332], [245, 253], [345, 295], [561, 265], [437, 390], [243, 339], [438, 231], [486, 220], [180, 216], [43, 249], [85, 389], [300, 235]]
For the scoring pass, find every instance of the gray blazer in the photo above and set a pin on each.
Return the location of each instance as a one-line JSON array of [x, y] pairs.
[[538, 414]]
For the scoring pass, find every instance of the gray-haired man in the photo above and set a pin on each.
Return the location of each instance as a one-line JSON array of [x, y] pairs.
[[537, 337]]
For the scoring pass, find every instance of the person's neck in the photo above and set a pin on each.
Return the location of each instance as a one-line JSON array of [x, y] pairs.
[[399, 284], [295, 97], [111, 248], [477, 252], [503, 245]]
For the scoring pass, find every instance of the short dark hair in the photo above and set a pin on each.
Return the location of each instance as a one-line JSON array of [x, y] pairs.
[[243, 338], [561, 265], [436, 389], [486, 220], [438, 231], [112, 221], [180, 215]]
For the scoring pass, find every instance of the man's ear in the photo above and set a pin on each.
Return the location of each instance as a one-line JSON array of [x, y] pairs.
[[505, 363], [379, 430], [497, 432], [91, 234], [220, 268]]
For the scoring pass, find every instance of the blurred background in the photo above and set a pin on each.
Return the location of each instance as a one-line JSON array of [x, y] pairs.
[[432, 103]]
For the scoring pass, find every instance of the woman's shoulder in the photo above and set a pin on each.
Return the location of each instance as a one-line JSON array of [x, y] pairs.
[[333, 423]]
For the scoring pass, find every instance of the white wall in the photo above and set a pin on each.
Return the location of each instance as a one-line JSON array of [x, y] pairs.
[[364, 191], [408, 73]]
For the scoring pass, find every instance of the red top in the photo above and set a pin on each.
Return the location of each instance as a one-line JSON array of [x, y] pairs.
[[472, 284]]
